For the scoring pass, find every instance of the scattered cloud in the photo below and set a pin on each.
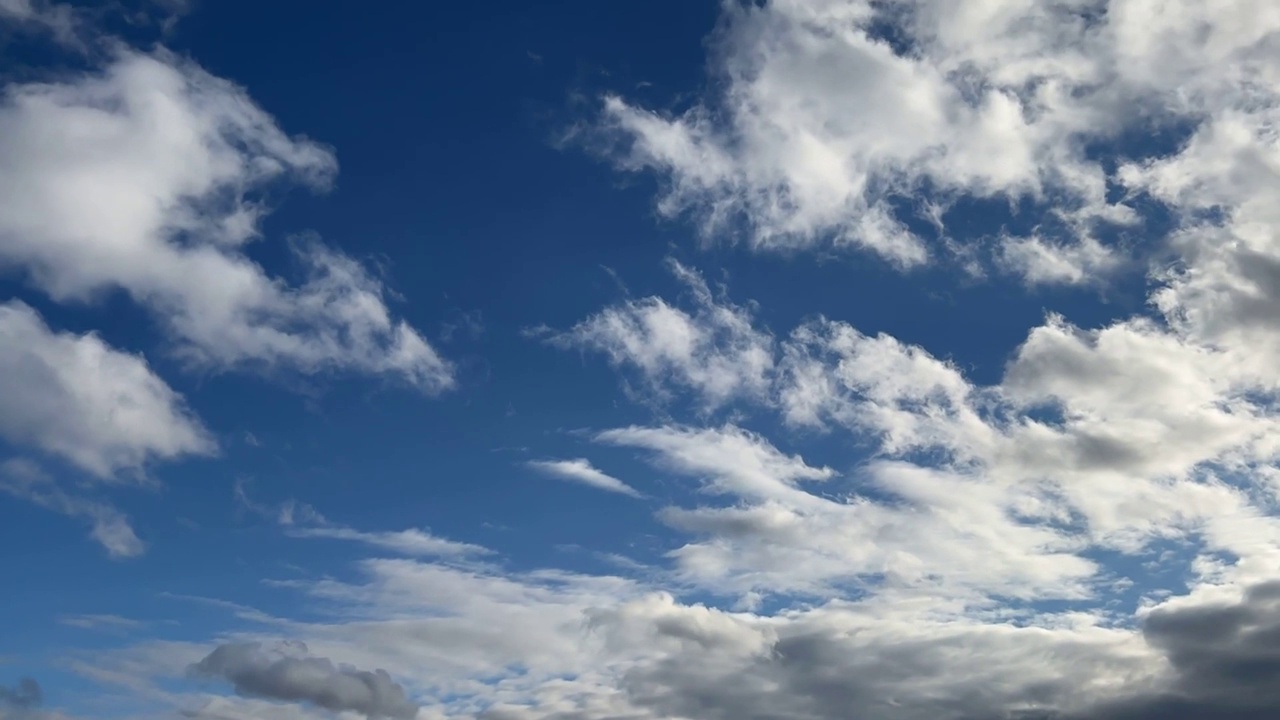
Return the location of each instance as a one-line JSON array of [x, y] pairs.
[[714, 350], [896, 541], [142, 176], [413, 542], [76, 397], [827, 116], [100, 622], [582, 471], [300, 520]]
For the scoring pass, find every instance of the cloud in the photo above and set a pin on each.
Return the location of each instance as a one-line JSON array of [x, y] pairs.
[[1222, 657], [303, 521], [412, 542], [1114, 438], [100, 622], [26, 694], [74, 396], [59, 19], [256, 672], [148, 177], [1090, 535], [714, 351], [110, 528], [730, 459], [828, 120], [582, 471]]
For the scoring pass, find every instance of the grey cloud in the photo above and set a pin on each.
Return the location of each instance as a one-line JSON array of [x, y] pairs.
[[1225, 661], [1226, 657], [26, 694], [255, 672], [22, 701]]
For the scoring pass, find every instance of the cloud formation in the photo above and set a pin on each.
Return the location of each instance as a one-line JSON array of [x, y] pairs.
[[827, 121], [146, 177], [714, 349], [257, 672], [583, 472], [1091, 535], [96, 407]]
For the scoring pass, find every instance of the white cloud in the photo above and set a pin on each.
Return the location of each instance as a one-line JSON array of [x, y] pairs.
[[73, 396], [413, 542], [1109, 440], [730, 459], [582, 471], [57, 18], [714, 351], [303, 521], [824, 114], [142, 177], [958, 570]]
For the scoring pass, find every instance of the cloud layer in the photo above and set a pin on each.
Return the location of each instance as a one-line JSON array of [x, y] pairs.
[[1093, 534]]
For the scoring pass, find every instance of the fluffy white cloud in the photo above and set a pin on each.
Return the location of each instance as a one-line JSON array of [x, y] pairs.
[[827, 113], [714, 350], [959, 571], [142, 177], [75, 397]]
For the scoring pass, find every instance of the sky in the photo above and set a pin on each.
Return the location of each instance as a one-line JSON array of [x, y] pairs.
[[664, 360]]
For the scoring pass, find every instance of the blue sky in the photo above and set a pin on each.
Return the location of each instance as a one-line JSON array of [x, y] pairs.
[[797, 359]]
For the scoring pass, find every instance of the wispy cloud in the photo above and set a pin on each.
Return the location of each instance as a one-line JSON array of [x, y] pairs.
[[110, 527], [583, 472]]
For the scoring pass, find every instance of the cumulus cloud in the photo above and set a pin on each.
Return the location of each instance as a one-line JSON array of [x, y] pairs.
[[146, 176], [76, 397], [582, 471], [714, 350], [826, 116], [981, 557], [254, 671]]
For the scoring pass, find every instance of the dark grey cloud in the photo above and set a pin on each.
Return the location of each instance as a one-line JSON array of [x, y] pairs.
[[255, 672], [1226, 657]]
